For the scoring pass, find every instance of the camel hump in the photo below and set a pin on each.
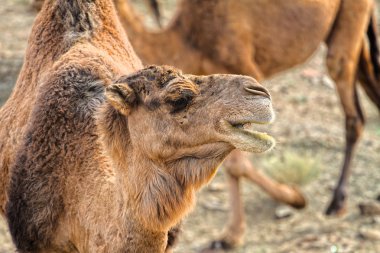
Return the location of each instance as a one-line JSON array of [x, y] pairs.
[[77, 16]]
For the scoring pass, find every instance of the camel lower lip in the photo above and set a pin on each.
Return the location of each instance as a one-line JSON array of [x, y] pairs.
[[248, 126], [247, 129], [244, 137]]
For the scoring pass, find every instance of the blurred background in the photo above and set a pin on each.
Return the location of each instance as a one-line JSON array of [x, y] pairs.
[[310, 134]]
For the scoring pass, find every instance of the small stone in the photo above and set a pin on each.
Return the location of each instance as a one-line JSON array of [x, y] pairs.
[[334, 248], [315, 81], [328, 82], [216, 187], [283, 212], [369, 234], [214, 205], [376, 220], [369, 209]]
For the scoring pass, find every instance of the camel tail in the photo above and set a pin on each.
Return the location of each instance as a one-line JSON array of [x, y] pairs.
[[155, 7], [369, 64], [374, 45]]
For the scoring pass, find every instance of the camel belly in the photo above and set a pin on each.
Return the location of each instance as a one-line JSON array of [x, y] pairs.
[[287, 33]]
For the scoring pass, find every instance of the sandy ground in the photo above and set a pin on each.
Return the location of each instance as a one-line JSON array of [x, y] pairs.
[[309, 121]]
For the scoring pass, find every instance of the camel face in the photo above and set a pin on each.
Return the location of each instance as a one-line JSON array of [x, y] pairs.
[[229, 108], [171, 114]]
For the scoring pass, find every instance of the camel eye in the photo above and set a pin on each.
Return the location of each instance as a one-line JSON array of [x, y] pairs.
[[179, 104], [180, 94]]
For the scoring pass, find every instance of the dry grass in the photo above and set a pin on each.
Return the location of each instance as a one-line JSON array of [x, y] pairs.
[[293, 168]]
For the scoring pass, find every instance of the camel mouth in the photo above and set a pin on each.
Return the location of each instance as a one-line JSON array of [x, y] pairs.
[[243, 135]]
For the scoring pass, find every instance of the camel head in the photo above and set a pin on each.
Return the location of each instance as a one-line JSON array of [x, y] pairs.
[[175, 115]]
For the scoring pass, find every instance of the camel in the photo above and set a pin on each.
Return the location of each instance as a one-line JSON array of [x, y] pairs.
[[37, 4], [260, 40], [97, 153]]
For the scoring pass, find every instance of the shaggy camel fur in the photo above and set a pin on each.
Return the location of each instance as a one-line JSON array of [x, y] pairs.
[[262, 39], [151, 4], [94, 160]]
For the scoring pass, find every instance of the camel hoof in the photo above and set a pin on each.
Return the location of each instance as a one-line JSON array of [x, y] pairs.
[[300, 201], [336, 211], [218, 246], [337, 206]]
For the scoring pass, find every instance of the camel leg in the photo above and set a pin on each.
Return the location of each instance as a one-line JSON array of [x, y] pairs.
[[173, 238], [246, 65], [344, 46], [238, 165], [289, 195], [233, 233]]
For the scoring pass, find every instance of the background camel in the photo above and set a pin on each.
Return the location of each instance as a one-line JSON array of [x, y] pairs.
[[81, 174], [37, 4], [244, 44]]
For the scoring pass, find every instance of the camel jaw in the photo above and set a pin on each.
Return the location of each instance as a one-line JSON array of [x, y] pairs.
[[242, 136]]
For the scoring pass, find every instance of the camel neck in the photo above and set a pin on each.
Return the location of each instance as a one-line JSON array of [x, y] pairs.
[[140, 239], [131, 21], [129, 170], [150, 45], [148, 191], [154, 195]]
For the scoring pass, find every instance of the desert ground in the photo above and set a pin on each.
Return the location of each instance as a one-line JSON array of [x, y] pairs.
[[310, 135]]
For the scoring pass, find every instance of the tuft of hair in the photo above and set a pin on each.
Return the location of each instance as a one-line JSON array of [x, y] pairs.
[[78, 17]]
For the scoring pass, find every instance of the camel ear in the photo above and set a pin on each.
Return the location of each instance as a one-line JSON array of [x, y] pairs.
[[121, 97]]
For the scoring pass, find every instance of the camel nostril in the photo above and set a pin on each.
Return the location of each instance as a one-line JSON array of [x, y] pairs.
[[257, 90]]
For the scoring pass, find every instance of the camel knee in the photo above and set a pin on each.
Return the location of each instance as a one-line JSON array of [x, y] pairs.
[[354, 129], [342, 70], [236, 164], [340, 67]]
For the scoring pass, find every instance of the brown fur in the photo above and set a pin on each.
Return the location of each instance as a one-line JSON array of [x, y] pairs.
[[261, 39], [96, 159], [37, 4]]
